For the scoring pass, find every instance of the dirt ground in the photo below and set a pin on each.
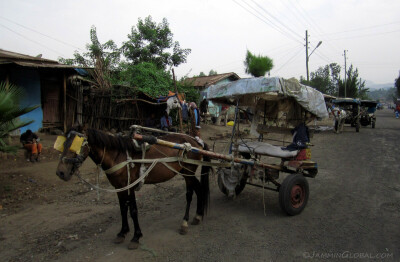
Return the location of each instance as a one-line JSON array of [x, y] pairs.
[[353, 210]]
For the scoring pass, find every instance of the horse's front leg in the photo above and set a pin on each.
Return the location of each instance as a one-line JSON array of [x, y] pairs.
[[134, 244], [189, 195], [123, 205], [200, 207]]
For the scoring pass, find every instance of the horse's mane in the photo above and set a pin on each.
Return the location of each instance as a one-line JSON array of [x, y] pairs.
[[102, 140], [123, 143]]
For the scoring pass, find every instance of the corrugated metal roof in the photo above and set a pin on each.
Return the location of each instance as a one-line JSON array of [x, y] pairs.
[[8, 57], [12, 56], [206, 81], [46, 65]]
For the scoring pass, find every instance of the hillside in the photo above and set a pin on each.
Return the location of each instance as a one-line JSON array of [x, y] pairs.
[[382, 94]]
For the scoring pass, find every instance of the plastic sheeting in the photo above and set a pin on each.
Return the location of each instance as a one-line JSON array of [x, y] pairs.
[[230, 178], [251, 90], [265, 149]]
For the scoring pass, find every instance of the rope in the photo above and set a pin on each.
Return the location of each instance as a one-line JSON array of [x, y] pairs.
[[153, 162], [265, 213], [124, 188]]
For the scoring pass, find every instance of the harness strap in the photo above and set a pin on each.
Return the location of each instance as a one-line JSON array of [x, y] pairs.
[[142, 168], [165, 160], [142, 161]]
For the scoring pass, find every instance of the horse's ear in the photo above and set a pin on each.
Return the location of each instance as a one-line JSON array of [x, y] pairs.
[[79, 128], [85, 127]]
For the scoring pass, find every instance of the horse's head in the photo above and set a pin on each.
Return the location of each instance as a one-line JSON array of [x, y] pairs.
[[338, 113], [173, 102], [75, 149]]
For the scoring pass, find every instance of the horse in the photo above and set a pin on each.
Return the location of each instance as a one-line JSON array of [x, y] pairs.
[[107, 151], [340, 117], [173, 102]]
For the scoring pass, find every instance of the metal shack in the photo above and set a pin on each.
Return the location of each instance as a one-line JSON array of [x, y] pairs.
[[45, 83]]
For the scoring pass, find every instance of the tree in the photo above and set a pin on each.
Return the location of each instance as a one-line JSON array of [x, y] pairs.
[[212, 73], [202, 74], [257, 65], [10, 112], [383, 94], [355, 87], [104, 58], [325, 79], [192, 94], [397, 85], [152, 42], [149, 50], [146, 77]]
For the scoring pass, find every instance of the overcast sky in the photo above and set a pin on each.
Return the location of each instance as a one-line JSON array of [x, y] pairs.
[[220, 31]]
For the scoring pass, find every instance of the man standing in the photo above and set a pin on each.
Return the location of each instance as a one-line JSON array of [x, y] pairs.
[[185, 111], [204, 107], [30, 141]]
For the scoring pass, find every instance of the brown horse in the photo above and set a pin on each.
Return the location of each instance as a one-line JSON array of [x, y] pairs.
[[108, 151]]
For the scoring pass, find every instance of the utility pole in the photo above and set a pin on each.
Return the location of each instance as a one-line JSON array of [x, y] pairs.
[[179, 109], [308, 55], [308, 77], [345, 73]]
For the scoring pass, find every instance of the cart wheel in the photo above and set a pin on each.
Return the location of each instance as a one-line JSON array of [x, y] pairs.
[[293, 194], [239, 188]]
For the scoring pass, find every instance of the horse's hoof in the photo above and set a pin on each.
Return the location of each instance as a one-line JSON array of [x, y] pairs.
[[119, 240], [196, 221], [133, 245], [183, 230]]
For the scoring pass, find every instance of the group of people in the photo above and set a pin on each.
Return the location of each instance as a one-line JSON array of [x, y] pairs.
[[166, 124]]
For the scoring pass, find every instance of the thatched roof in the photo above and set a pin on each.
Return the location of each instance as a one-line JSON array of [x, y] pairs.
[[206, 81]]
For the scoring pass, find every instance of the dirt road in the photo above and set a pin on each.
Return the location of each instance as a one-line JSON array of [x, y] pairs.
[[353, 211]]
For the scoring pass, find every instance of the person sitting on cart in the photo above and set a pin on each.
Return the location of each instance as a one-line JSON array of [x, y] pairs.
[[301, 137], [166, 123], [30, 142]]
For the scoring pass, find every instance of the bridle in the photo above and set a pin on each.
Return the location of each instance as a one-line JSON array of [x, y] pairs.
[[79, 158]]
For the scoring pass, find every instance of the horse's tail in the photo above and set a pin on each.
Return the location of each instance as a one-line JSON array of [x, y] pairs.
[[205, 181]]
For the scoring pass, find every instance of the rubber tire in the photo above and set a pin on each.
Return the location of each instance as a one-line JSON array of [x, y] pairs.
[[336, 126], [239, 188], [358, 127], [373, 124], [285, 192]]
